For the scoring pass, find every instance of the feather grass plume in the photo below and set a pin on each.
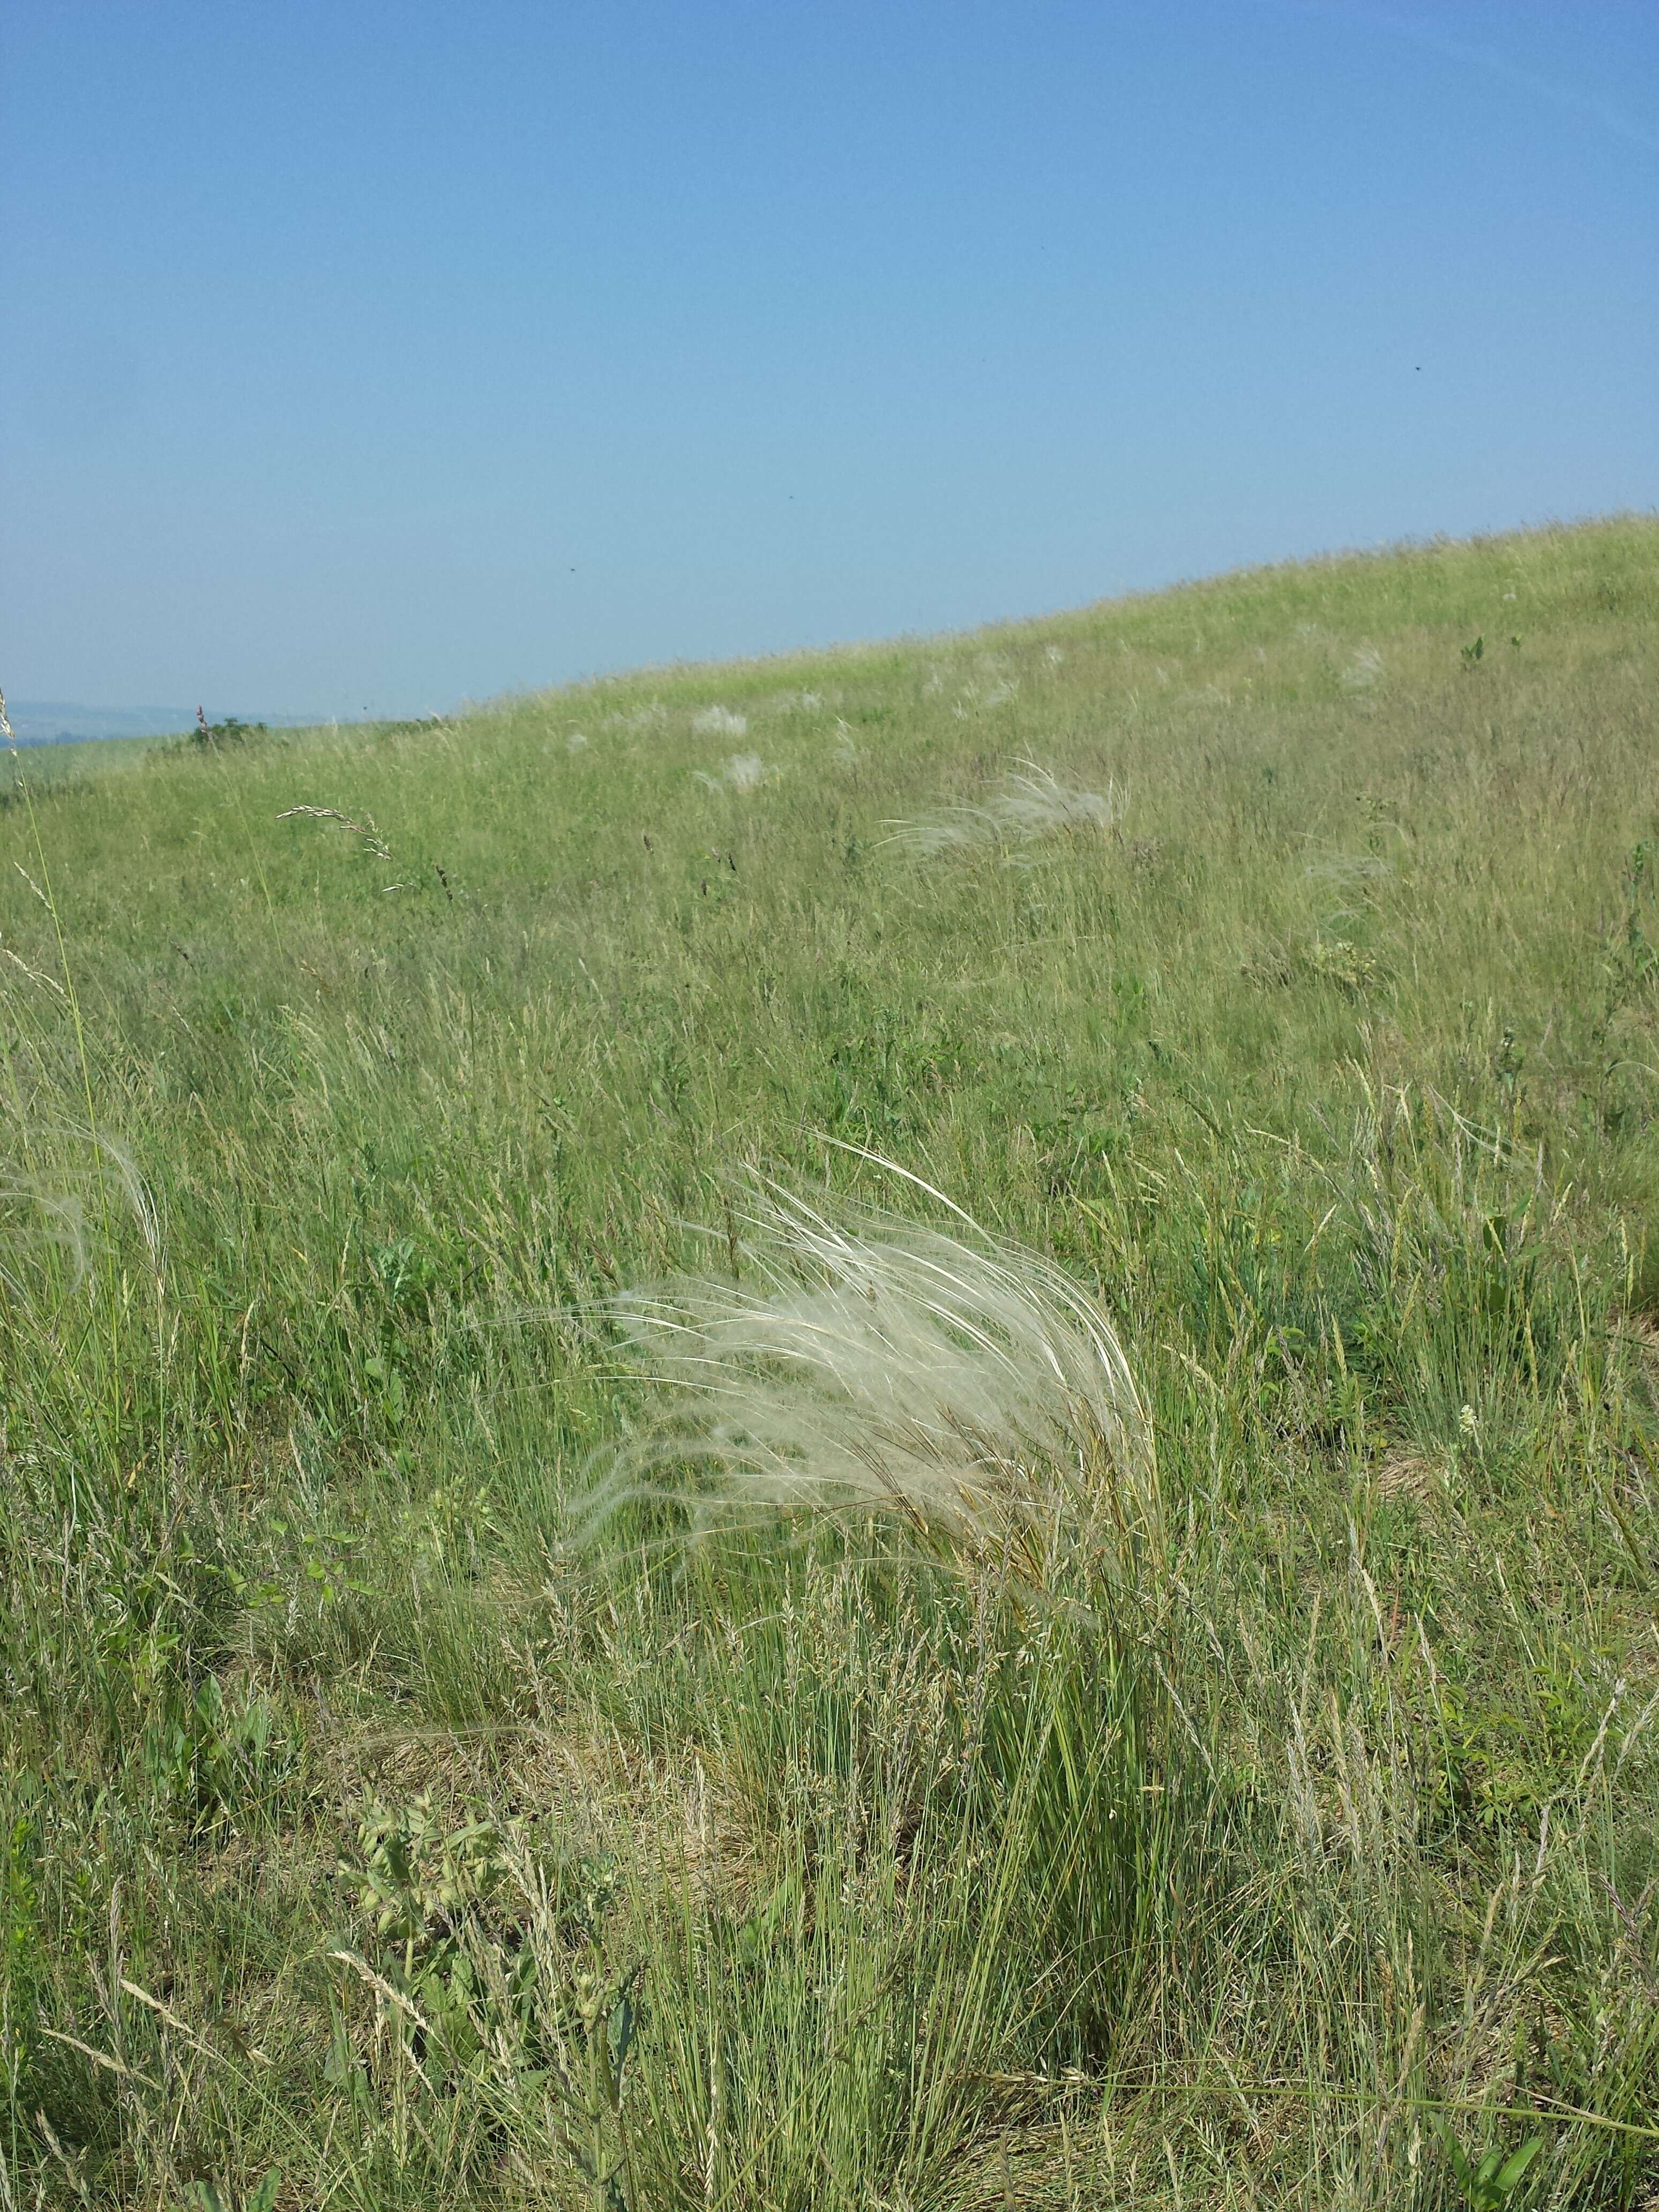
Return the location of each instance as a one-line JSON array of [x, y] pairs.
[[850, 1360], [1028, 808], [742, 772], [720, 722], [52, 1206]]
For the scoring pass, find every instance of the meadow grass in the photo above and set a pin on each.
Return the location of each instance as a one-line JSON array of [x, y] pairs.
[[947, 1773]]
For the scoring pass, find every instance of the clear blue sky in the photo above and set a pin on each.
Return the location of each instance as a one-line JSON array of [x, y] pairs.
[[367, 356]]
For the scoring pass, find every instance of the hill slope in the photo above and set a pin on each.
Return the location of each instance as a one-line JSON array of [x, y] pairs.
[[1279, 956]]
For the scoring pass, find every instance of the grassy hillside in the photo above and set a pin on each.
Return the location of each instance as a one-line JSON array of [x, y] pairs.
[[1250, 1805]]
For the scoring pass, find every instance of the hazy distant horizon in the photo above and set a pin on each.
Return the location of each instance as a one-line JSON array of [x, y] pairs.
[[62, 721]]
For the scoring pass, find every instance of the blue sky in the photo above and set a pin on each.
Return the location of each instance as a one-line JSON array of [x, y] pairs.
[[362, 357]]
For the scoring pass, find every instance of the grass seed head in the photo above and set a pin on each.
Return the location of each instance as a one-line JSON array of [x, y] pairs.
[[1029, 808], [742, 772], [856, 1361], [720, 722]]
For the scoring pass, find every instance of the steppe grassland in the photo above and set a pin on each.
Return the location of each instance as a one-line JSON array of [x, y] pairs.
[[1280, 1842]]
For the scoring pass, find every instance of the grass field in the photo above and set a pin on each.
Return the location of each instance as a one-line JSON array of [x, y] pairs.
[[535, 1671]]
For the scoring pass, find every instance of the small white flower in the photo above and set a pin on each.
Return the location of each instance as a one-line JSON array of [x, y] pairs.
[[575, 741]]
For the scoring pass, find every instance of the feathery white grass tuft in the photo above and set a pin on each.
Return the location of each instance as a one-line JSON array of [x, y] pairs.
[[60, 1221], [1028, 808], [742, 772], [850, 1359], [720, 722], [61, 1202]]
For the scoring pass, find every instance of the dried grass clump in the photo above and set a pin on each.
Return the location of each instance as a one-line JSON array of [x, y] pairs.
[[848, 1359], [1413, 1474], [1029, 808]]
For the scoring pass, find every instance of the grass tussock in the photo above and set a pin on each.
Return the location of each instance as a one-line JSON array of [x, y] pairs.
[[1140, 1694], [1028, 807], [854, 1362]]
